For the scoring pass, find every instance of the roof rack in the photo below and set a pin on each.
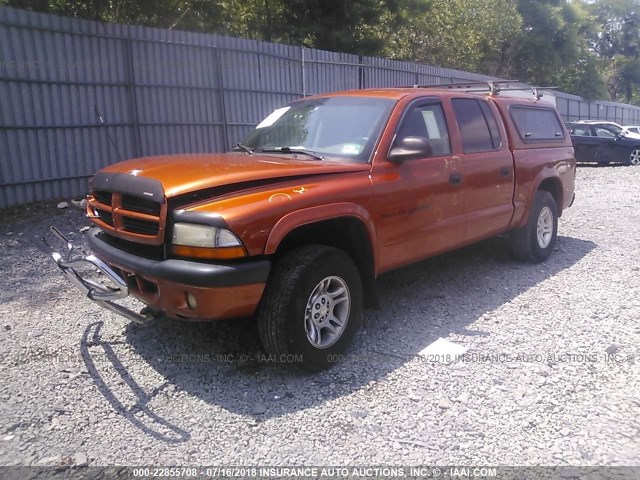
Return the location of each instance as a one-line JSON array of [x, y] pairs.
[[493, 86]]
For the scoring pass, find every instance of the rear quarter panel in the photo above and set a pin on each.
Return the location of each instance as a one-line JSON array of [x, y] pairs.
[[533, 167]]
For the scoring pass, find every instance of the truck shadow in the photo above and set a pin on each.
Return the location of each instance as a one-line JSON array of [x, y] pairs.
[[222, 363], [139, 413]]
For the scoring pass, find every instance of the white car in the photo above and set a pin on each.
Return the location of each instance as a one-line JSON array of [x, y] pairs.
[[632, 128], [620, 130]]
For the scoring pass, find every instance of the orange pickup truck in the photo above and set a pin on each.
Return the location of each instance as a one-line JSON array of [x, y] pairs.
[[327, 193]]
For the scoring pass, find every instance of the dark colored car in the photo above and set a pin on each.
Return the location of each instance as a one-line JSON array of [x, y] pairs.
[[603, 143]]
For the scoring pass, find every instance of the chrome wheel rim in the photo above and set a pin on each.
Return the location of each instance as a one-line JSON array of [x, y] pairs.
[[327, 312], [635, 157], [545, 227]]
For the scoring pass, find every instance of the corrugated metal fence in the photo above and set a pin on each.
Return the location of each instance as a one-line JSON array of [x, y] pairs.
[[163, 91], [572, 107]]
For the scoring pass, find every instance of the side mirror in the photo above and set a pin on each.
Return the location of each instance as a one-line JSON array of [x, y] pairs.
[[410, 148]]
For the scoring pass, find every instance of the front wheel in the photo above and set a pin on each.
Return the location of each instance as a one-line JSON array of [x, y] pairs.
[[535, 241], [312, 307], [634, 157]]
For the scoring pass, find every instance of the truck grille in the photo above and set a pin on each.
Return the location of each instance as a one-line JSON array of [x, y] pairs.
[[129, 217], [103, 197], [142, 205], [105, 216], [144, 227]]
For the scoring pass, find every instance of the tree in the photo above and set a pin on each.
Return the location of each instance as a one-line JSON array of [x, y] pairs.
[[336, 25], [463, 34], [552, 50], [196, 15], [617, 43]]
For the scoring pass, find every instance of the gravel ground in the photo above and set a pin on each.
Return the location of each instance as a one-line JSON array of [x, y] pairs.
[[79, 384]]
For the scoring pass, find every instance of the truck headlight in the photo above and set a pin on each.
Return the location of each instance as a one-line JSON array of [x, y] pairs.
[[193, 235], [203, 241]]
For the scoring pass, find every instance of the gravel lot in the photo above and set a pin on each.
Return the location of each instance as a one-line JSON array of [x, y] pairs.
[[79, 384]]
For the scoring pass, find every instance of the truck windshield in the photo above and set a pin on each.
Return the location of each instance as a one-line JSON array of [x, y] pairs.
[[336, 128]]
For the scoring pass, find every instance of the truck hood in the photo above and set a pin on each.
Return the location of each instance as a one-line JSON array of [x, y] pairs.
[[180, 174]]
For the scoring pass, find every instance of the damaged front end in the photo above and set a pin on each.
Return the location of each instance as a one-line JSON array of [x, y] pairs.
[[103, 295]]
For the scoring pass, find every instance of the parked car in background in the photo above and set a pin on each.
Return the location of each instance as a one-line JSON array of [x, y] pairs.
[[603, 143], [619, 129], [635, 129]]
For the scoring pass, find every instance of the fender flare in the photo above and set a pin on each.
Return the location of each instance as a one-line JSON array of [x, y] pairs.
[[543, 175], [307, 216]]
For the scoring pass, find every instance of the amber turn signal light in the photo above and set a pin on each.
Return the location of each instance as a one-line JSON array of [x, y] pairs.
[[219, 253]]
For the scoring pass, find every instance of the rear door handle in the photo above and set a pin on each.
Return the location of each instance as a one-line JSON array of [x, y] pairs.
[[505, 171], [455, 178]]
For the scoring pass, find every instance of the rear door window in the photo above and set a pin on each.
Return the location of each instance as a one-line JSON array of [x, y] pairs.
[[478, 127], [493, 125], [580, 131], [537, 123]]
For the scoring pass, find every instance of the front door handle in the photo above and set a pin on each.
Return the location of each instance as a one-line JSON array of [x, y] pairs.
[[455, 178], [505, 171]]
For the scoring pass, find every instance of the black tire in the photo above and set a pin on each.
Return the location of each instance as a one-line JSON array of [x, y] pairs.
[[634, 157], [524, 240], [281, 315]]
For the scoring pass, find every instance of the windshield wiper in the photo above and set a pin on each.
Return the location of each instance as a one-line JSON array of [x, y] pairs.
[[290, 151], [244, 148]]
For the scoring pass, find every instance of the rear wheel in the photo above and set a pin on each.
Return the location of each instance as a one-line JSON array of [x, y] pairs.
[[312, 307], [634, 157], [535, 241]]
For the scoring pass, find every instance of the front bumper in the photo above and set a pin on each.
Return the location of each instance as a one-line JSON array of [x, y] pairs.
[[177, 288], [103, 295]]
